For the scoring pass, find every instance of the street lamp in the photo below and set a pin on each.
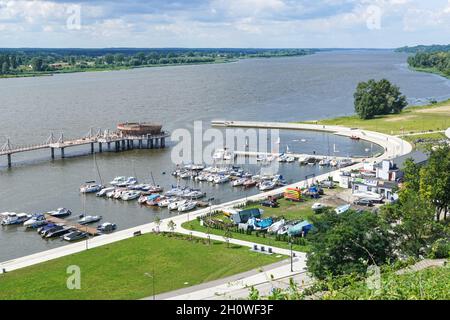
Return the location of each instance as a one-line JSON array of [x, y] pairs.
[[292, 262], [152, 275]]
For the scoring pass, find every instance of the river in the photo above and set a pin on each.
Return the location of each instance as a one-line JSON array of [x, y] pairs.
[[279, 89]]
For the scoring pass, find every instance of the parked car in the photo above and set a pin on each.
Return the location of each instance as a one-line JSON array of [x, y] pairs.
[[270, 203], [364, 202]]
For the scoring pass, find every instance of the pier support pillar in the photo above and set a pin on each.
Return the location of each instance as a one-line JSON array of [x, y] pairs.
[[109, 145], [52, 153], [117, 146], [123, 144], [92, 147], [163, 142], [9, 160], [157, 143], [100, 148], [128, 144], [148, 143], [62, 153], [152, 144], [140, 143]]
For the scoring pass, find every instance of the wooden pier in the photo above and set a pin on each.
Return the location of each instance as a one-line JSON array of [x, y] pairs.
[[92, 231], [105, 140]]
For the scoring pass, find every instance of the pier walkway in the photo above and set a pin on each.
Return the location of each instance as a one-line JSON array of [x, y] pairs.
[[114, 142], [92, 231]]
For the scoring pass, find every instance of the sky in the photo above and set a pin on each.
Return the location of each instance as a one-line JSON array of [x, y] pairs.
[[224, 23]]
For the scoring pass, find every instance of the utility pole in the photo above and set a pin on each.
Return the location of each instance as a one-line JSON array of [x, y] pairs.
[[292, 262]]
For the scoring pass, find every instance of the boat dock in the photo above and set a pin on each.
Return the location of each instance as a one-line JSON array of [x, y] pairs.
[[297, 156], [92, 231], [114, 141]]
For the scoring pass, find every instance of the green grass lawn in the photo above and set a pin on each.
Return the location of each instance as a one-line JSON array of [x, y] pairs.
[[288, 209], [433, 117], [116, 271]]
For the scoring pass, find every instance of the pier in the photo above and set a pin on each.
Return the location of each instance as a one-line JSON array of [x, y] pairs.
[[119, 140], [92, 231], [297, 156]]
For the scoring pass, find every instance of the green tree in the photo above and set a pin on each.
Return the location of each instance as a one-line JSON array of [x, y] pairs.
[[109, 59], [435, 179], [347, 243], [37, 64], [413, 223], [377, 98], [5, 67]]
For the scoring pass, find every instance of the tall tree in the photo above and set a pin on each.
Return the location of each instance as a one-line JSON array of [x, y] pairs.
[[378, 97]]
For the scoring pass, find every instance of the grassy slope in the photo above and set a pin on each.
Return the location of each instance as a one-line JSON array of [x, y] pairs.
[[116, 271], [428, 284], [412, 119], [289, 210]]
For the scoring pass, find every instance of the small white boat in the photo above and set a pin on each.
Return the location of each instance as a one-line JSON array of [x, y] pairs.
[[165, 202], [60, 212], [104, 191], [89, 219], [324, 162], [342, 209], [238, 182], [35, 221], [130, 195], [267, 185], [175, 205], [128, 182], [75, 236], [195, 194], [90, 187], [221, 179], [107, 227], [290, 159], [118, 180], [15, 218], [189, 205], [276, 226]]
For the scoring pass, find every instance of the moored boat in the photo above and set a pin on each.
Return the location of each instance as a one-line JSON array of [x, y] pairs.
[[89, 219]]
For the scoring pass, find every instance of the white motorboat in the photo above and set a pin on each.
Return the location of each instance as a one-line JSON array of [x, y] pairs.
[[35, 221], [175, 205], [15, 218], [90, 187], [342, 209], [276, 226], [118, 193], [107, 227], [130, 195], [324, 162], [128, 182], [89, 219], [189, 205], [60, 213], [221, 179], [267, 185], [165, 202], [290, 159], [195, 194], [238, 182], [75, 236], [118, 180], [104, 191]]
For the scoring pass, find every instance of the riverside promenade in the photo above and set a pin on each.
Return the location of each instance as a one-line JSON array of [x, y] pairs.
[[393, 146]]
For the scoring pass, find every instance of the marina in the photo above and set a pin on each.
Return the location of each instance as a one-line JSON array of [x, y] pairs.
[[262, 90]]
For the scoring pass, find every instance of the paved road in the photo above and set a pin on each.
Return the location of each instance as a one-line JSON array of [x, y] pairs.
[[394, 146]]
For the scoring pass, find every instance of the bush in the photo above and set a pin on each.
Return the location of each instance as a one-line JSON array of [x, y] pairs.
[[440, 249]]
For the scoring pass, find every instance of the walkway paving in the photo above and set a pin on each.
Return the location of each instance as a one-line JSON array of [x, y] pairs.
[[394, 146], [237, 286]]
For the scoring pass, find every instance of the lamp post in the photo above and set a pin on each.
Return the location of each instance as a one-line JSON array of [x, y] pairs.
[[152, 276], [292, 262]]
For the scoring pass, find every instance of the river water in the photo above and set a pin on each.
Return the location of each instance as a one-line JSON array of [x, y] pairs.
[[282, 89]]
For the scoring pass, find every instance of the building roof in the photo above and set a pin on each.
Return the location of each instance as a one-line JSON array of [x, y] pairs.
[[417, 156]]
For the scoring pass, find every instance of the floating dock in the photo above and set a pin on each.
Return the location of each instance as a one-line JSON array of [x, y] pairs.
[[92, 231]]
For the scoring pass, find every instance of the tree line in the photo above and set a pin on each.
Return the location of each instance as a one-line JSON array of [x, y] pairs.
[[439, 61], [16, 61]]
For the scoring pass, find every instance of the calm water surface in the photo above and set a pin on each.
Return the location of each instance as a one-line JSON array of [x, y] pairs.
[[284, 89]]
